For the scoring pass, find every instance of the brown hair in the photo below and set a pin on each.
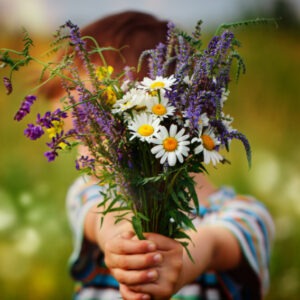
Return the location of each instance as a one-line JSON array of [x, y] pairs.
[[131, 31]]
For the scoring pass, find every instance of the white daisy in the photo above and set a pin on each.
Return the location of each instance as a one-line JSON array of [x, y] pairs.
[[162, 109], [208, 143], [171, 145], [144, 126], [159, 83], [132, 98]]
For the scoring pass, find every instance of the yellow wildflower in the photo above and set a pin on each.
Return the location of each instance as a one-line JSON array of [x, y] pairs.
[[57, 128], [109, 95], [104, 72]]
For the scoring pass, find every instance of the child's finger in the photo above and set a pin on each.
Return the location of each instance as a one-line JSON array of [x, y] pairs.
[[133, 262], [128, 294], [135, 277], [120, 245]]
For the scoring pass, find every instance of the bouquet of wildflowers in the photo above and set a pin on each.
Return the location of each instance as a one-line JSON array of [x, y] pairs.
[[145, 138]]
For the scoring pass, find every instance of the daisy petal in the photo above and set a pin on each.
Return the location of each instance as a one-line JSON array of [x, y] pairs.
[[171, 158], [173, 130]]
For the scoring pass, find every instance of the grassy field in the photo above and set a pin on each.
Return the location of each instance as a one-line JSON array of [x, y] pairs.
[[35, 241]]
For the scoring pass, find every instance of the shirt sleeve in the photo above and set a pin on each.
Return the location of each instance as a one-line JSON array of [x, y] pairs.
[[82, 195], [250, 222]]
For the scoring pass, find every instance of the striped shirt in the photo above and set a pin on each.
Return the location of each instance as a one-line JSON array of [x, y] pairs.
[[247, 219]]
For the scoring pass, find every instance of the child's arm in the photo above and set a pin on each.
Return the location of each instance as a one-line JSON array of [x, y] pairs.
[[228, 240]]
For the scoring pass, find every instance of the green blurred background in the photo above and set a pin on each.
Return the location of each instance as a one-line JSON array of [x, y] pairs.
[[35, 240]]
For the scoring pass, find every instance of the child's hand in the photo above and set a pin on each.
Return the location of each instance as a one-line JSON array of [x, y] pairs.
[[145, 267], [132, 261], [169, 269]]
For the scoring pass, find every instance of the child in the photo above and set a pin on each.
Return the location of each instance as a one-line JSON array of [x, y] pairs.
[[230, 247]]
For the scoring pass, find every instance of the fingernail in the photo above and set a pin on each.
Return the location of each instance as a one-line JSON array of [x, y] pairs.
[[157, 258], [145, 297], [152, 274], [151, 246]]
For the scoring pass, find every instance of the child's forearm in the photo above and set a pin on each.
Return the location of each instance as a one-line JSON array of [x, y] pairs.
[[212, 248]]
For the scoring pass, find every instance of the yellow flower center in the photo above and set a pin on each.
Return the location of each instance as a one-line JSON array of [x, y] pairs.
[[153, 93], [127, 104], [146, 130], [157, 85], [170, 144], [159, 109], [208, 142]]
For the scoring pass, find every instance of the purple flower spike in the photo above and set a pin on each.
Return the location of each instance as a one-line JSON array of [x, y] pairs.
[[25, 107], [33, 132], [85, 162], [8, 85], [51, 155]]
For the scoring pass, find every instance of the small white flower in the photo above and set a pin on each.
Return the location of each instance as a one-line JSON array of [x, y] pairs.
[[144, 126], [132, 98], [224, 97], [125, 85], [160, 109], [208, 143], [202, 122], [180, 118], [159, 83], [188, 80], [227, 120], [171, 145]]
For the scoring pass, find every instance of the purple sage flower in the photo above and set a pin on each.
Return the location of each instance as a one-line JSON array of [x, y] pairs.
[[51, 155], [49, 117], [8, 85], [25, 107], [33, 132], [84, 162]]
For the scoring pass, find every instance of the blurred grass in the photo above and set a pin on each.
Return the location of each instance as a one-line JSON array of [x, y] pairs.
[[35, 239], [266, 107]]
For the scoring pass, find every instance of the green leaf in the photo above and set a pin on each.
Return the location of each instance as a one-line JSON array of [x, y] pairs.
[[137, 226], [142, 217], [187, 221], [176, 200], [185, 245], [256, 21], [181, 235]]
